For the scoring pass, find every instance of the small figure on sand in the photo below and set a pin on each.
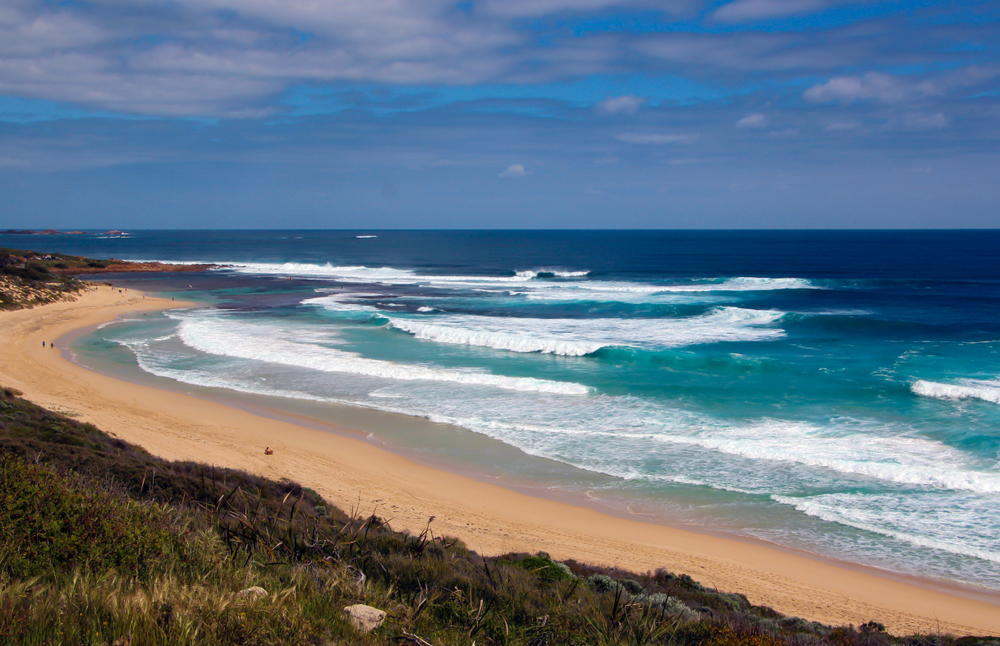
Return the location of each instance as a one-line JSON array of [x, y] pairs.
[[268, 450], [43, 344]]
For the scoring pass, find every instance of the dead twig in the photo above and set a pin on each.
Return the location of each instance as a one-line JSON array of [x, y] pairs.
[[410, 637]]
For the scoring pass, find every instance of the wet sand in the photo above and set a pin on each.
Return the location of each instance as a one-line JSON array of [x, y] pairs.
[[352, 473]]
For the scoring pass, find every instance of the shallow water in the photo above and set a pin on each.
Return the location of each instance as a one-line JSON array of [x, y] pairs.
[[829, 391]]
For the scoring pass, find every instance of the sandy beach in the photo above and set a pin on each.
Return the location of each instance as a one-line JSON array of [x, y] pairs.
[[490, 519]]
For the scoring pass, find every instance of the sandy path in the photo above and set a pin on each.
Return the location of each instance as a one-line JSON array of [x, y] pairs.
[[490, 519]]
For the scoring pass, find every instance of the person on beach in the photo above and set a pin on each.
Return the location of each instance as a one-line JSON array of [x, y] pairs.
[[43, 344]]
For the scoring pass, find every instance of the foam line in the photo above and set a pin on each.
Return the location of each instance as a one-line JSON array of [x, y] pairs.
[[836, 508], [536, 279], [223, 336], [887, 458]]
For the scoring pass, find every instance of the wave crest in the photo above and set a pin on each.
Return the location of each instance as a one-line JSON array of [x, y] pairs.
[[972, 389], [579, 337]]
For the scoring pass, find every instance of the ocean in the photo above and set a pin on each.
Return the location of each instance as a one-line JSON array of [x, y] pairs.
[[836, 392]]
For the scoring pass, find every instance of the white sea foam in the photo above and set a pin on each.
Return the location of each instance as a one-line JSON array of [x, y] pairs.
[[968, 389], [224, 336], [362, 274], [174, 262], [529, 280], [117, 321], [745, 284], [344, 302], [558, 273], [935, 524], [457, 332], [624, 291], [616, 290], [578, 337], [868, 452], [873, 454], [158, 364]]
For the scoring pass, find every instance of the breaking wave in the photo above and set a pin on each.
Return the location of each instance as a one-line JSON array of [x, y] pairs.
[[223, 336], [971, 389], [579, 337]]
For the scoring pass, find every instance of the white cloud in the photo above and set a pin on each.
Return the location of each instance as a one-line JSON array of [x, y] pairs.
[[536, 8], [89, 79], [873, 85], [756, 120], [221, 57], [747, 10], [26, 34], [657, 138], [238, 57], [627, 104], [514, 170]]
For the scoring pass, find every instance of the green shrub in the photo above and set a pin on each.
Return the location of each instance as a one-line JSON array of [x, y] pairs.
[[31, 272], [546, 569], [671, 606], [631, 586], [59, 522], [602, 583]]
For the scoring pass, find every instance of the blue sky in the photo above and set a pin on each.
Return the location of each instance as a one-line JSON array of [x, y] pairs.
[[499, 113]]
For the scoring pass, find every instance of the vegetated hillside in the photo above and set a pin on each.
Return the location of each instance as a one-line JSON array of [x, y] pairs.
[[61, 264], [26, 280], [29, 278], [103, 543]]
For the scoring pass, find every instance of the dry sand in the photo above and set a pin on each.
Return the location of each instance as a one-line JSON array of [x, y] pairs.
[[490, 519]]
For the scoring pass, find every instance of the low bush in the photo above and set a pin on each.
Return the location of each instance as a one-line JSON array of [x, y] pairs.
[[53, 522]]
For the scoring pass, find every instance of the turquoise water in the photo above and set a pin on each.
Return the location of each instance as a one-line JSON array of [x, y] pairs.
[[836, 392]]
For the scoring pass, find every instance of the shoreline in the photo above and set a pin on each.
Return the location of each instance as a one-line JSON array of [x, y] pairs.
[[491, 519], [361, 431]]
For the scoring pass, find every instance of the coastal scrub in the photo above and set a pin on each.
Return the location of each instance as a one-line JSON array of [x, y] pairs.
[[104, 544]]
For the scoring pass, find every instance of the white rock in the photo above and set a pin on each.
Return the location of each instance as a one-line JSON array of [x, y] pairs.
[[364, 618]]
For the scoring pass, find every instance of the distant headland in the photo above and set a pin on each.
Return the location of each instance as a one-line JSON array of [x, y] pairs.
[[55, 232]]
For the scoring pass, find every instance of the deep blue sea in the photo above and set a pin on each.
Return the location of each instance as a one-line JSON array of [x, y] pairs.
[[831, 391]]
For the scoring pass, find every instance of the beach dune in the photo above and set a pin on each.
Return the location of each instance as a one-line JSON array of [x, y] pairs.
[[353, 473]]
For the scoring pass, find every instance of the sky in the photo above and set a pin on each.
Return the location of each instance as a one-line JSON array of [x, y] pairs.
[[425, 114]]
